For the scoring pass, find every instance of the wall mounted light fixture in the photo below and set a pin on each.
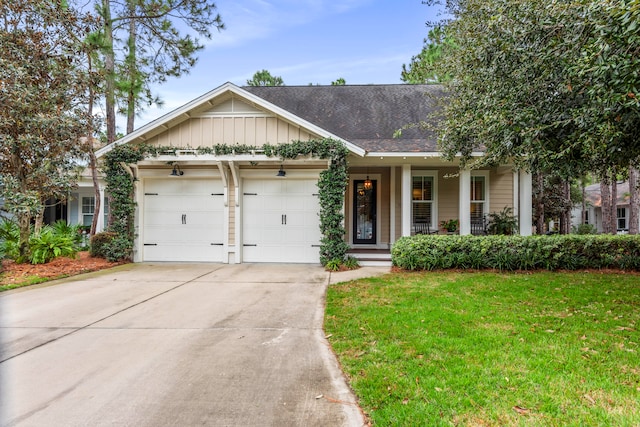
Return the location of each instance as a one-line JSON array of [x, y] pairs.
[[368, 185], [281, 172], [176, 170]]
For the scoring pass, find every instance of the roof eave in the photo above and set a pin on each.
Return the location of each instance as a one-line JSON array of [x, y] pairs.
[[413, 154], [207, 97]]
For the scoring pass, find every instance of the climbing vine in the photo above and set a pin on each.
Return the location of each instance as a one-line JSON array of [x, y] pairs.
[[122, 204], [331, 185]]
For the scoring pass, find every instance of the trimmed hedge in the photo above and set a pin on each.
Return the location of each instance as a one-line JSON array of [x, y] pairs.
[[556, 252]]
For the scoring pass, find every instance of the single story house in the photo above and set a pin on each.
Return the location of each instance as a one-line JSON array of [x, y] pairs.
[[238, 208], [593, 212]]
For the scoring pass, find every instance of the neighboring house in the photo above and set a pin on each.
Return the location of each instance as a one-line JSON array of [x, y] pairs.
[[594, 208], [79, 207], [236, 208]]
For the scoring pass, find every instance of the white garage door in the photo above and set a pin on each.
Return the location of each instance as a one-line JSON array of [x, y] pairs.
[[183, 220], [280, 221]]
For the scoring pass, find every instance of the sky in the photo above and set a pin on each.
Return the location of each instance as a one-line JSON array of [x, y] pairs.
[[304, 42]]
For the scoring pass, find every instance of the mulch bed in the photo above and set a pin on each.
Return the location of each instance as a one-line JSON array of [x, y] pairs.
[[12, 273]]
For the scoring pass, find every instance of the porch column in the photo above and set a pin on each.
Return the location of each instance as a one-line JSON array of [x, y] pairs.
[[526, 204], [406, 200], [516, 194], [100, 221], [392, 205], [465, 201]]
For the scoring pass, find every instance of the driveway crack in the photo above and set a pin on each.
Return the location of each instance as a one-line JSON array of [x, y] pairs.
[[88, 325]]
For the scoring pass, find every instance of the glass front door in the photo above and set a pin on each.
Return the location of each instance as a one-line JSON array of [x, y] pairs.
[[364, 212]]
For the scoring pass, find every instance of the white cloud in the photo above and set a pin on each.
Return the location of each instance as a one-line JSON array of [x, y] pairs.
[[250, 20]]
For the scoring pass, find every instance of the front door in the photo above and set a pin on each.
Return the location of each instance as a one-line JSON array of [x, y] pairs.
[[364, 212]]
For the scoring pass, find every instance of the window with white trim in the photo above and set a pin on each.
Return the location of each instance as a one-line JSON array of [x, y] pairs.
[[89, 207], [622, 218], [478, 197], [423, 196]]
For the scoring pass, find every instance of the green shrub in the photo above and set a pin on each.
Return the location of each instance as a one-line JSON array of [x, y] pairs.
[[333, 264], [554, 252], [61, 228], [503, 222], [351, 262], [48, 244], [99, 243], [585, 229], [9, 237], [110, 245]]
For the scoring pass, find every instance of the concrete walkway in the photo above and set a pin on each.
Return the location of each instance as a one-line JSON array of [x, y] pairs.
[[174, 345]]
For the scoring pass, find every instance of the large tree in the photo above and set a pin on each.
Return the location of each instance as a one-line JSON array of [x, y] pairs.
[[158, 39], [43, 113], [264, 78], [423, 67], [532, 85]]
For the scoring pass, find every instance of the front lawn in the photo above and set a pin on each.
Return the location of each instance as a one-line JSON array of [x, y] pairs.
[[491, 349]]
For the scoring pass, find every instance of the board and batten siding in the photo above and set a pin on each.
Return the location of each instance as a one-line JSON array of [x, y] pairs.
[[231, 122]]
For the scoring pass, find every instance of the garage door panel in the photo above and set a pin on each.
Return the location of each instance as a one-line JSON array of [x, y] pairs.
[[272, 203], [296, 186], [158, 235], [196, 253], [280, 221], [202, 219], [194, 203], [183, 221], [161, 218]]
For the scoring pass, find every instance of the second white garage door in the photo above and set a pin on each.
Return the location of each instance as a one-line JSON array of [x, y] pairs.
[[280, 221], [183, 220]]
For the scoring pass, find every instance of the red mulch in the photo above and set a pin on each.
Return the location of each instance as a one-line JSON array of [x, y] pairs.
[[60, 267]]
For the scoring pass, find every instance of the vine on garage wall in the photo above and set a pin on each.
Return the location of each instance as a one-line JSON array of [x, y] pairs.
[[121, 204], [331, 185]]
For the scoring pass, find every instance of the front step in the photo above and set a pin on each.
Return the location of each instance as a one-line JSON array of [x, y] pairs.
[[371, 257]]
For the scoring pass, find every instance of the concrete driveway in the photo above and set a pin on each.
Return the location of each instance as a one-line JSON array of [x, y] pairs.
[[173, 345]]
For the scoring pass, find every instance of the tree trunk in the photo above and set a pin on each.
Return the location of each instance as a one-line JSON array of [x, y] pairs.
[[634, 201], [583, 187], [565, 218], [110, 74], [540, 204], [96, 192], [605, 203], [38, 220], [24, 224], [93, 163], [614, 204], [132, 93]]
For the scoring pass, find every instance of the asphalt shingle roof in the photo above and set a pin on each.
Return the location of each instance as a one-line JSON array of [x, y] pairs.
[[365, 115]]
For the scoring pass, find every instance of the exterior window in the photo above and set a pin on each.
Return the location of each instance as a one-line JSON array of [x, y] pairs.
[[105, 211], [586, 216], [478, 197], [422, 194], [88, 207], [622, 219]]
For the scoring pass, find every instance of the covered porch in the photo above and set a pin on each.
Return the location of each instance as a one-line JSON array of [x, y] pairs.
[[386, 202]]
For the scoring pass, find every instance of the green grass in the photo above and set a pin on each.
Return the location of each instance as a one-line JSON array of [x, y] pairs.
[[28, 281], [490, 349]]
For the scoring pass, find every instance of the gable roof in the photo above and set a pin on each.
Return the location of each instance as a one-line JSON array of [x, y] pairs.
[[366, 115], [593, 194], [205, 102]]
